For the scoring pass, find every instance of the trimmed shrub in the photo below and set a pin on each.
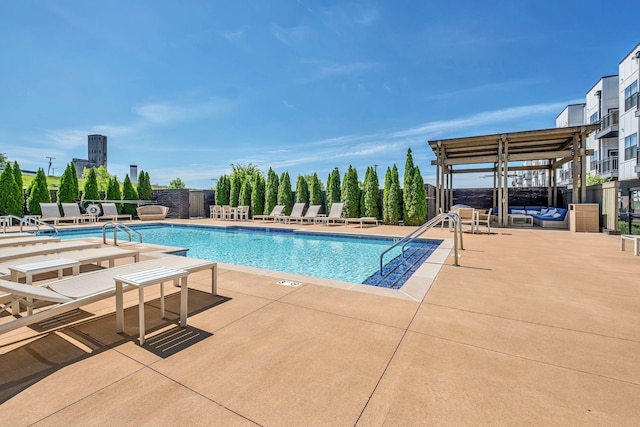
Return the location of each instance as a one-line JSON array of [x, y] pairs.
[[271, 192], [392, 210], [285, 195], [39, 193], [315, 191], [68, 191], [145, 192], [10, 197], [370, 194], [113, 192], [129, 193], [17, 176], [236, 186], [91, 191], [302, 190], [257, 194], [351, 193], [223, 188], [333, 189], [244, 198]]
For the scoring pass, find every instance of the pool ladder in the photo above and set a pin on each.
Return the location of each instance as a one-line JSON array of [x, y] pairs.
[[118, 227], [33, 222], [452, 217]]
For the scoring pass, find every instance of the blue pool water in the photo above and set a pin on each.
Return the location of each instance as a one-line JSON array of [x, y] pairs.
[[353, 259]]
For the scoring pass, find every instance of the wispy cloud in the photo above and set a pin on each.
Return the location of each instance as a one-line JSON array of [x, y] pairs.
[[236, 34], [348, 69], [292, 36], [487, 88], [167, 113], [288, 104]]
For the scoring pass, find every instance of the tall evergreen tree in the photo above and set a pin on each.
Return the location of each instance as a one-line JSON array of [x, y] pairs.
[[223, 189], [236, 186], [39, 193], [73, 177], [415, 199], [285, 194], [257, 194], [351, 193], [10, 202], [408, 181], [333, 192], [17, 175], [129, 193], [244, 198], [302, 190], [91, 191], [371, 194], [271, 191], [391, 205], [145, 192], [68, 191], [114, 192], [315, 191]]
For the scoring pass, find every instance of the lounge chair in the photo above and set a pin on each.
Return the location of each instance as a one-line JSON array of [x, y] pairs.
[[7, 254], [335, 215], [73, 292], [72, 210], [296, 214], [15, 235], [311, 214], [110, 213], [362, 220], [26, 241], [276, 212], [51, 213]]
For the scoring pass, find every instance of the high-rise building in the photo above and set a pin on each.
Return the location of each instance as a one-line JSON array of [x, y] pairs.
[[97, 154]]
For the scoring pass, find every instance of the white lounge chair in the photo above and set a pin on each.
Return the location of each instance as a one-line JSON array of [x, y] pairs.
[[275, 212], [311, 214], [7, 254], [51, 213], [26, 241], [15, 235], [335, 215], [296, 214], [110, 213], [362, 221], [72, 210]]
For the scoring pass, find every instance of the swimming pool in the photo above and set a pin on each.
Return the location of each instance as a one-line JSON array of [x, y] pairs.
[[348, 258]]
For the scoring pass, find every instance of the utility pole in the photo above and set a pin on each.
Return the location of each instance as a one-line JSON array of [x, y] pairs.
[[49, 170]]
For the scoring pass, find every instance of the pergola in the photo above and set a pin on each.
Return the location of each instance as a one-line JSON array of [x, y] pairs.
[[549, 148]]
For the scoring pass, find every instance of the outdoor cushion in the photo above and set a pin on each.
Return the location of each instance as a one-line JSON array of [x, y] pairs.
[[518, 211]]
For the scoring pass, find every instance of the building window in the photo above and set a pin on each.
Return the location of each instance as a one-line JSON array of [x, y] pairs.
[[594, 118], [630, 96], [630, 146]]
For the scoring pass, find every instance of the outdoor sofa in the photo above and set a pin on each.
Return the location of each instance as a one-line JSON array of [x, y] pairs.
[[152, 212], [547, 217]]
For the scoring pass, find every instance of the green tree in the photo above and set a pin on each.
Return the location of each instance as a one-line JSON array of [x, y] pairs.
[[271, 192], [371, 194], [145, 192], [39, 193], [596, 179], [315, 191], [68, 191], [236, 186], [91, 191], [223, 189], [285, 194], [103, 177], [408, 179], [244, 198], [177, 183], [351, 193], [257, 194], [302, 190], [415, 200], [113, 192], [17, 175], [129, 193], [392, 211], [3, 159], [333, 189], [10, 200]]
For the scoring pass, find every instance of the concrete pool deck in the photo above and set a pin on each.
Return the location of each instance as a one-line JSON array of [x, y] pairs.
[[516, 335]]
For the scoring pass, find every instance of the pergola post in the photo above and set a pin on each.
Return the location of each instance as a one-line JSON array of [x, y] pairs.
[[439, 207], [583, 168], [574, 170], [499, 176], [505, 218]]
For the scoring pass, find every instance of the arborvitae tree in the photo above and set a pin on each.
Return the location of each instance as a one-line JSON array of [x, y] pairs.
[[415, 199], [222, 191], [236, 186], [39, 193], [392, 211], [370, 194], [285, 196], [244, 198], [351, 193], [10, 201], [333, 189], [408, 180], [73, 176], [17, 175], [315, 191], [68, 191], [145, 192], [302, 190], [271, 192], [257, 194], [129, 193], [113, 192], [91, 191]]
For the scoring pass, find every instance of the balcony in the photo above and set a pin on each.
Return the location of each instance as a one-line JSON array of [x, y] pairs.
[[608, 125], [607, 168]]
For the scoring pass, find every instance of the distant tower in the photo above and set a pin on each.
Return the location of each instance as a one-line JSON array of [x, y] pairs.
[[98, 150], [133, 174]]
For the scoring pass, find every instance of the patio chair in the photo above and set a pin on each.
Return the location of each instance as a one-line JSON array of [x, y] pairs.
[[51, 213], [311, 214], [242, 213], [296, 213], [484, 218], [275, 212], [215, 212], [110, 213], [335, 215], [72, 210], [468, 216], [227, 213]]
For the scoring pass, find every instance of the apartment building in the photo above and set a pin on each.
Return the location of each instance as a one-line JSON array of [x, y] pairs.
[[572, 115], [602, 106], [629, 115]]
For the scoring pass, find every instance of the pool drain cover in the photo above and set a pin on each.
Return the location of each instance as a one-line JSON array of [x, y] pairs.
[[289, 283]]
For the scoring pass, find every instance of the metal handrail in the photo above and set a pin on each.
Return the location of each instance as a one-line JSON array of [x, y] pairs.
[[118, 226], [33, 222], [457, 235]]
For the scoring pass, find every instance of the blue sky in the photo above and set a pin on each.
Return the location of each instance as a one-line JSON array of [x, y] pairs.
[[185, 88]]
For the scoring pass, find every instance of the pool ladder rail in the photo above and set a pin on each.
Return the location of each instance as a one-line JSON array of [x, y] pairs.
[[452, 217], [117, 226], [32, 222]]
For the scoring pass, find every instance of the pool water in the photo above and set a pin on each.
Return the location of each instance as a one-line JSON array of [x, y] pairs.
[[353, 259]]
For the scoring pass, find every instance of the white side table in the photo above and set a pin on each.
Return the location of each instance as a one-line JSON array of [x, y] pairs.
[[152, 276]]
